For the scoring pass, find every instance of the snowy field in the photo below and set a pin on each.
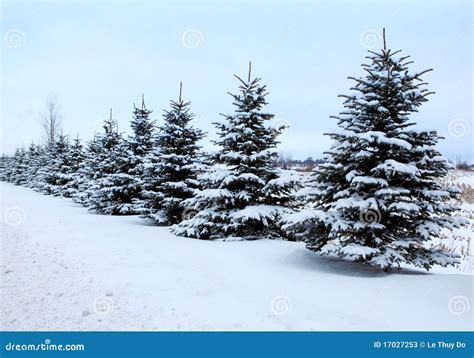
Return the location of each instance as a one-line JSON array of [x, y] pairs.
[[63, 268]]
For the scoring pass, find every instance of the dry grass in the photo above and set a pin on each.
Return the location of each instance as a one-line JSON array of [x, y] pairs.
[[459, 241], [467, 193], [455, 179]]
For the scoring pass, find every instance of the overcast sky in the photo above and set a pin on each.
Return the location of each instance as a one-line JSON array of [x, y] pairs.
[[98, 55]]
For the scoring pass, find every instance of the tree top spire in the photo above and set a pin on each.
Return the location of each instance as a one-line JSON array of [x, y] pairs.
[[250, 69], [384, 40], [180, 90], [143, 101]]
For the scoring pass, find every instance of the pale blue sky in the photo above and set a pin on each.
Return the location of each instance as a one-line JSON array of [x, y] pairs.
[[97, 55]]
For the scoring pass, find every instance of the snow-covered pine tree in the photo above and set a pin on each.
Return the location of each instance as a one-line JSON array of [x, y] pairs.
[[140, 144], [34, 156], [83, 178], [377, 198], [41, 165], [42, 182], [5, 167], [54, 175], [245, 195], [143, 128], [18, 174], [173, 166], [76, 159], [113, 188]]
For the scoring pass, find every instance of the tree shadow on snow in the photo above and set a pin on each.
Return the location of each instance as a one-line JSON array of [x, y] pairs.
[[312, 261], [144, 222]]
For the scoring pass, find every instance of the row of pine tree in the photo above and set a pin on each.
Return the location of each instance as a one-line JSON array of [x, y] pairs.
[[376, 199]]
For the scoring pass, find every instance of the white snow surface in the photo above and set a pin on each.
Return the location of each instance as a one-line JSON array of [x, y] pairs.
[[63, 268]]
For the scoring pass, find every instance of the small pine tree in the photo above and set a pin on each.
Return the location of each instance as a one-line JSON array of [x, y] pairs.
[[54, 175], [40, 167], [19, 172], [42, 182], [172, 167], [33, 154], [5, 167], [245, 196], [76, 159], [377, 198]]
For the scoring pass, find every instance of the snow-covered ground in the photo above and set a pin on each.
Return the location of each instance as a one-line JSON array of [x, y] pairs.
[[63, 268]]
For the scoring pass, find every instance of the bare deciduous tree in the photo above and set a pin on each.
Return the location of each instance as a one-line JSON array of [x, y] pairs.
[[285, 159], [51, 120]]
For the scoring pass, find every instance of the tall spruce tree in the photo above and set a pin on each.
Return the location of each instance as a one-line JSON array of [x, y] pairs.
[[113, 188], [83, 178], [245, 196], [172, 167], [140, 145], [377, 198], [143, 128]]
